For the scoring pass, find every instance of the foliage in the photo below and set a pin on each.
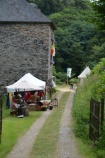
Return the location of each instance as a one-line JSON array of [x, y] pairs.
[[53, 6], [96, 53], [98, 90], [99, 8], [54, 71], [93, 87], [53, 90], [81, 114], [100, 154], [47, 7], [76, 40], [61, 77], [74, 80]]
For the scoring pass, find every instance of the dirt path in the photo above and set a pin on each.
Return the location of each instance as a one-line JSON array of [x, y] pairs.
[[24, 145], [66, 147]]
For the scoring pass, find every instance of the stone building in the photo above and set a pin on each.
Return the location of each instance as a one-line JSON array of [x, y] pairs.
[[26, 36]]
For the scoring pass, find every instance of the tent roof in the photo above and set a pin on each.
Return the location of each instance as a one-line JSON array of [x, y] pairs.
[[22, 86], [27, 83], [30, 78], [85, 72]]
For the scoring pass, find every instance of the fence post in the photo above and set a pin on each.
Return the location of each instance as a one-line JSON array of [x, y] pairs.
[[94, 120]]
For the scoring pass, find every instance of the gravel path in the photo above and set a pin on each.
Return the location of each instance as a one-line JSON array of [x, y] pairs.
[[24, 145], [66, 147]]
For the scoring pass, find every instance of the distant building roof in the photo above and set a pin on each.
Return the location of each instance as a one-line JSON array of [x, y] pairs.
[[21, 11]]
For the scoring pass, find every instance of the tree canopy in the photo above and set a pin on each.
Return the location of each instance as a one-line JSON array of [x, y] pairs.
[[99, 8], [53, 6], [78, 42], [74, 31]]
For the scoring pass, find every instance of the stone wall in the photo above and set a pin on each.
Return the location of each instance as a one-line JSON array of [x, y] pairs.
[[25, 48]]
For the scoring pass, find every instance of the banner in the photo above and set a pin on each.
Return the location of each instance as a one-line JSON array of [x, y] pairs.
[[52, 51], [69, 72]]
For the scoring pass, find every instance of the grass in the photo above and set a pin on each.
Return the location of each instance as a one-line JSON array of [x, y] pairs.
[[63, 86], [81, 118], [80, 113], [46, 141], [84, 149], [13, 128]]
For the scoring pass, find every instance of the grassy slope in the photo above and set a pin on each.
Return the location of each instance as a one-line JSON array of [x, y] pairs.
[[92, 88]]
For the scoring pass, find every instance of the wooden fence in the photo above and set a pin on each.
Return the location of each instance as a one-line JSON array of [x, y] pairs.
[[96, 119]]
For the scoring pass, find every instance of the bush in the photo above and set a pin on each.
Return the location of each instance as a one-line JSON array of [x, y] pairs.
[[61, 76], [101, 154], [74, 80], [93, 87], [53, 90]]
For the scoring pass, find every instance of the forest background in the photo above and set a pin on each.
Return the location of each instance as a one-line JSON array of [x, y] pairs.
[[78, 41]]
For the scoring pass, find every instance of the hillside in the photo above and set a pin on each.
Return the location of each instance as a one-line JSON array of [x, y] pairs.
[[93, 88]]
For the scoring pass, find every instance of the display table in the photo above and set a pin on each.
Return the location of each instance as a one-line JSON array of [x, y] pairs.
[[42, 105], [46, 103], [32, 106]]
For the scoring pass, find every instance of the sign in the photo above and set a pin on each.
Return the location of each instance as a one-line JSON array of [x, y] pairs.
[[69, 72]]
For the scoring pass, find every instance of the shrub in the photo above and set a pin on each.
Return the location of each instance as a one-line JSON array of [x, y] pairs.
[[101, 154], [93, 87]]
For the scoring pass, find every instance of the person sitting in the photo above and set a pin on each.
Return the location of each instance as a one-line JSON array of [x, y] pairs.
[[15, 107], [41, 94], [27, 96]]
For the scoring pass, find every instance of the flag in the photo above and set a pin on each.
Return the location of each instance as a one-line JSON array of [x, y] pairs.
[[69, 72], [52, 51]]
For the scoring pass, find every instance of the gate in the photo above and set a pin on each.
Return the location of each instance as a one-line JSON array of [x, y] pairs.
[[96, 119]]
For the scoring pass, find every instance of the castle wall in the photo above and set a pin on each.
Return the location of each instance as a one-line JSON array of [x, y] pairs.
[[25, 48]]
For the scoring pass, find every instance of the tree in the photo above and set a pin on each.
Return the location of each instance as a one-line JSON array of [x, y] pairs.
[[48, 6], [99, 8], [78, 42], [53, 6], [74, 31]]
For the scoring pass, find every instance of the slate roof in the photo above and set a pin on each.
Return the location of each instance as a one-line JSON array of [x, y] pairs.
[[21, 11]]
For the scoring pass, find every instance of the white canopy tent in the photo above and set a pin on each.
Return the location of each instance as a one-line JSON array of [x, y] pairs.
[[31, 79], [27, 83], [84, 74], [22, 86]]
